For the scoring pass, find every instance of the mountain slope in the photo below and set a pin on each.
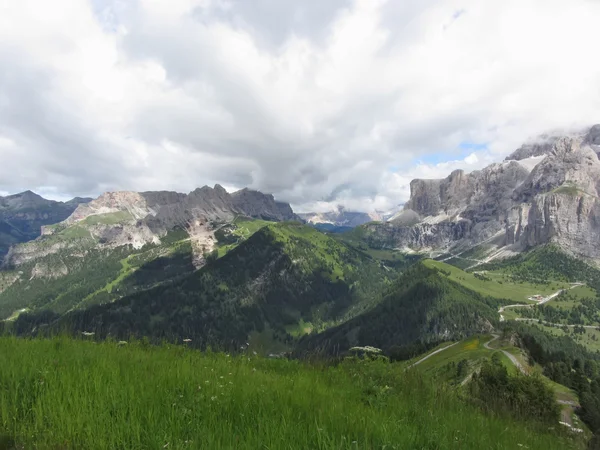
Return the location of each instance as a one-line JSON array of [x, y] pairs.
[[340, 217], [545, 192], [285, 278], [421, 306], [23, 215]]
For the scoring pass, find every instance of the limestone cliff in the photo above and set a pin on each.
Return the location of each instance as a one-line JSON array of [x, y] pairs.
[[137, 218], [506, 206]]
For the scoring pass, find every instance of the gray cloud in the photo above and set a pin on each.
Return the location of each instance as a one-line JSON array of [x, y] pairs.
[[317, 102]]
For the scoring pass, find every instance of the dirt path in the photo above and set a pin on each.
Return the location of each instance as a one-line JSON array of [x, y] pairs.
[[431, 354], [513, 358]]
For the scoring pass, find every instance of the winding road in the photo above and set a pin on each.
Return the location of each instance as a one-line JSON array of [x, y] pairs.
[[513, 358], [431, 354], [510, 356], [541, 302]]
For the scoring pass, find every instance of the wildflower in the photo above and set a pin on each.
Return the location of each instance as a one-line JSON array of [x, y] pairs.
[[213, 398], [254, 369], [221, 377]]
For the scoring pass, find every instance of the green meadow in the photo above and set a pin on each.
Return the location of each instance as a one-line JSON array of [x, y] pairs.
[[72, 394]]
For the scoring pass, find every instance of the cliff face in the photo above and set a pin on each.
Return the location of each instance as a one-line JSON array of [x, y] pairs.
[[506, 205], [137, 218], [340, 217]]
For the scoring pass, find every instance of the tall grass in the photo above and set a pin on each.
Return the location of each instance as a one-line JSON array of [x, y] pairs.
[[67, 394]]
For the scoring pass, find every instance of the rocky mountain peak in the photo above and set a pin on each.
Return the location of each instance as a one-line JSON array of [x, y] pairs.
[[510, 206], [27, 199]]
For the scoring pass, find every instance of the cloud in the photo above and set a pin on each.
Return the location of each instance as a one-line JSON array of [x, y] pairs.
[[312, 101]]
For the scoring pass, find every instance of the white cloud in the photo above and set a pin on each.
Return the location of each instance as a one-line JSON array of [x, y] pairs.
[[313, 102]]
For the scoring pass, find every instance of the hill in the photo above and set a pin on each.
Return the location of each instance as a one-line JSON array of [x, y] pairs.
[[284, 280], [421, 306], [71, 394], [23, 215], [506, 208]]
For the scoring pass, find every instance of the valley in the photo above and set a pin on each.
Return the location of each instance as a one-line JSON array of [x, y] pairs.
[[482, 287]]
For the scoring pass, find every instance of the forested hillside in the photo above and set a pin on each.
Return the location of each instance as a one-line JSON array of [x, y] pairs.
[[422, 306], [285, 280]]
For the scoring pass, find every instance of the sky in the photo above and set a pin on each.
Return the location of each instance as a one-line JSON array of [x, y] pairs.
[[317, 102]]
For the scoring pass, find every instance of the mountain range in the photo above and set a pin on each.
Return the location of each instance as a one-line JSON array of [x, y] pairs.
[[545, 192], [23, 215], [224, 268]]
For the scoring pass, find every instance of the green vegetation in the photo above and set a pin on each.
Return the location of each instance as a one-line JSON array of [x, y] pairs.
[[544, 264], [284, 275], [522, 396], [458, 362], [77, 277], [70, 394], [231, 235], [422, 306], [570, 364], [497, 283], [589, 338], [108, 218]]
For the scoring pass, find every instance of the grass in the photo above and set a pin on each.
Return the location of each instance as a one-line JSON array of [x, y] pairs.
[[242, 228], [68, 394], [471, 349], [443, 367], [573, 297], [497, 286], [590, 339], [113, 218]]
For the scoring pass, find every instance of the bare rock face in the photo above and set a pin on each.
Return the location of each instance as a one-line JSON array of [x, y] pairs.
[[557, 201], [340, 217], [137, 218], [261, 206]]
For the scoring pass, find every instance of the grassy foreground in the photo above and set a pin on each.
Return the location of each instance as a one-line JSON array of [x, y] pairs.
[[67, 394]]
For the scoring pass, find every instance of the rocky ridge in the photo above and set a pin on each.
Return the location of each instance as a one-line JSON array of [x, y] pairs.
[[340, 217], [137, 218], [510, 206]]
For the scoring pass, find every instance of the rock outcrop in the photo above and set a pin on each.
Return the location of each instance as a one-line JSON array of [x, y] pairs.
[[137, 218], [340, 217], [506, 205]]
